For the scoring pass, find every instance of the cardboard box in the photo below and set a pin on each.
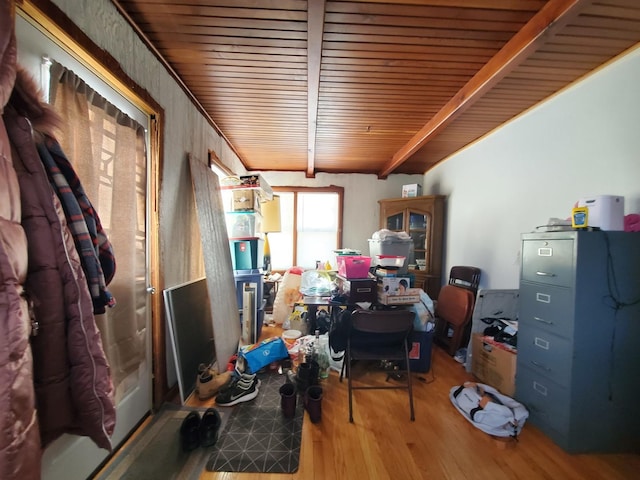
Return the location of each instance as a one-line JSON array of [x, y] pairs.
[[411, 190], [256, 181], [245, 200], [393, 285], [493, 364], [397, 299], [357, 290]]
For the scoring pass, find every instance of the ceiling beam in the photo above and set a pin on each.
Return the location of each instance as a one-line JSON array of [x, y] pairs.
[[315, 27], [546, 23]]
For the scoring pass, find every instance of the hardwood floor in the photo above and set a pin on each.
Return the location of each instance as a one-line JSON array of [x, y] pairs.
[[383, 443]]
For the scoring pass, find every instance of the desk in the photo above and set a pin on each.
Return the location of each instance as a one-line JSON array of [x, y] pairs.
[[312, 304], [421, 341]]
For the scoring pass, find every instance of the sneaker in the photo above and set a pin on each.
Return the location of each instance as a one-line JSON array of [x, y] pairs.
[[211, 384], [244, 379], [240, 392]]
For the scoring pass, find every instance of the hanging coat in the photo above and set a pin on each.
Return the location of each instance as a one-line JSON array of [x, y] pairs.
[[20, 454], [74, 392]]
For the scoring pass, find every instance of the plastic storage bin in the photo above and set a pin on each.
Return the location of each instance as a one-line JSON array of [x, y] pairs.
[[243, 224], [420, 354], [397, 247], [352, 267], [256, 278], [396, 261], [247, 255]]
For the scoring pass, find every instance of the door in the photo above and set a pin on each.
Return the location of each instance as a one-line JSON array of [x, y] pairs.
[[74, 457]]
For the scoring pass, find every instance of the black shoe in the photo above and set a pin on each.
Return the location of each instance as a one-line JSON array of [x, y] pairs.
[[189, 431], [240, 392], [209, 427]]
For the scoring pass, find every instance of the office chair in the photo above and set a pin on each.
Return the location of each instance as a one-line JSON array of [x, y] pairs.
[[453, 313], [379, 335]]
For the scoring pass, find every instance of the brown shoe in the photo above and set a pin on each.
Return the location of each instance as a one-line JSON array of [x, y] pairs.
[[204, 372], [211, 383]]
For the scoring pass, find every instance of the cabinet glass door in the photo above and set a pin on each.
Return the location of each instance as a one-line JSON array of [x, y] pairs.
[[418, 233], [395, 222]]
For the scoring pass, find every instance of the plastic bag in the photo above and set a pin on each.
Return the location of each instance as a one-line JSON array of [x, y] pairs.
[[288, 294], [316, 283], [259, 355]]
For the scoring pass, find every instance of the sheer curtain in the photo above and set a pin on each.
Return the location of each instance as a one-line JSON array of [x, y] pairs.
[[107, 150]]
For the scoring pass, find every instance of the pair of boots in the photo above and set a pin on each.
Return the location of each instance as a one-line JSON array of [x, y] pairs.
[[307, 375], [306, 382], [312, 401]]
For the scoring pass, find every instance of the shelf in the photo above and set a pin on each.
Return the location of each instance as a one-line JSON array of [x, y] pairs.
[[251, 182]]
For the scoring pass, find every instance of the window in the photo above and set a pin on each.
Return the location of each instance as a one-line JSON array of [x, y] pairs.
[[311, 223]]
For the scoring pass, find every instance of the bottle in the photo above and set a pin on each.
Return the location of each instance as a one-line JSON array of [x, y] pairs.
[[322, 357]]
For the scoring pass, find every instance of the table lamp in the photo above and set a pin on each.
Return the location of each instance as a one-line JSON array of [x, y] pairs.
[[270, 224]]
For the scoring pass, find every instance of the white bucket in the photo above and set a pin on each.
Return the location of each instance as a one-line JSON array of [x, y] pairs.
[[290, 337]]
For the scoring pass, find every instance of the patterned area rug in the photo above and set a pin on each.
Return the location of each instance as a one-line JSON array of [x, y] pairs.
[[257, 437], [156, 452]]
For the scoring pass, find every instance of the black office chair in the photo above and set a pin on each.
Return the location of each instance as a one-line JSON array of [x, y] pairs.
[[380, 335]]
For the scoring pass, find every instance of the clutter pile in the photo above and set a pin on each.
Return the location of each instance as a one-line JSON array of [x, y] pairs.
[[240, 383]]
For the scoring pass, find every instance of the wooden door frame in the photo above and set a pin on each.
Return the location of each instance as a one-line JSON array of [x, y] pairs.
[[48, 17]]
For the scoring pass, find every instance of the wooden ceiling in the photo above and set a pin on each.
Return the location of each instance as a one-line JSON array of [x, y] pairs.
[[378, 86]]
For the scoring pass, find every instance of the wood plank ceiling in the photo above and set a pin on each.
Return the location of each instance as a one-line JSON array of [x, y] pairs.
[[378, 86]]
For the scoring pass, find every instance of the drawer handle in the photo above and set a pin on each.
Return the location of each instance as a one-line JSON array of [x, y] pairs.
[[538, 319], [545, 274], [539, 365]]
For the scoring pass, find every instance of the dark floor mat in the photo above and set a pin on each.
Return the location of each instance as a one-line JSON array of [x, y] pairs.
[[257, 437]]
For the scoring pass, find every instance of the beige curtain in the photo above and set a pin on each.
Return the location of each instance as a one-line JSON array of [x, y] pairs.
[[107, 151]]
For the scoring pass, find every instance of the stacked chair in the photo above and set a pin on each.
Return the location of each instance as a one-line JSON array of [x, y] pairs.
[[454, 308]]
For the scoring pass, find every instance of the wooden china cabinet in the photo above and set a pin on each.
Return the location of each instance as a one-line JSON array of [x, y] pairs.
[[423, 219]]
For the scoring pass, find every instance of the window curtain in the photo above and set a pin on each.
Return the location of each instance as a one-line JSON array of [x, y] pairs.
[[107, 150]]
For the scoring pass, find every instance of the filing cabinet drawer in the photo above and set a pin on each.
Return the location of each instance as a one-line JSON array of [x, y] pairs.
[[546, 354], [550, 308], [547, 402], [548, 261]]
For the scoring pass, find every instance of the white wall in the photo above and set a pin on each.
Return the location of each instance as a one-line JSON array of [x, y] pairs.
[[585, 141]]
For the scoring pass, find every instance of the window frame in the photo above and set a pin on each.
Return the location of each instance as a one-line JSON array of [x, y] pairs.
[[296, 190]]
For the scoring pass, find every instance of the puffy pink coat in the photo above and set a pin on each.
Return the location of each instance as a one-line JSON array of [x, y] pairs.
[[74, 392], [19, 438], [40, 267]]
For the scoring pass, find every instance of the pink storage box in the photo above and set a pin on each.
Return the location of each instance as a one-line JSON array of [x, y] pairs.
[[351, 267]]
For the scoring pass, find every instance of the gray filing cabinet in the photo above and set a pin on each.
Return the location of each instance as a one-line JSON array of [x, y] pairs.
[[578, 366]]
